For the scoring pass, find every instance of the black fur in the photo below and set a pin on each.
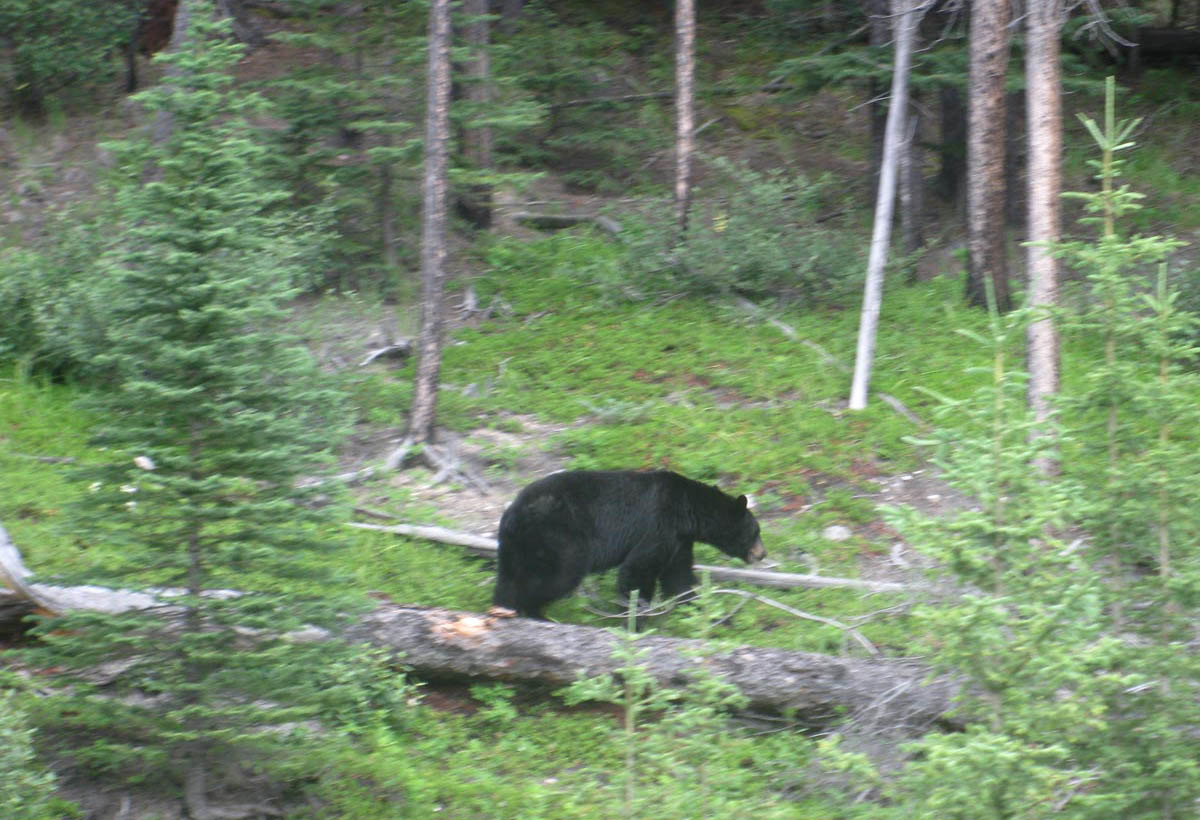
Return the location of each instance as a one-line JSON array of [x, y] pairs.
[[570, 524]]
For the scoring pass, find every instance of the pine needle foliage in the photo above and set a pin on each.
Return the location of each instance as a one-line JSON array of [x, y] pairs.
[[215, 415]]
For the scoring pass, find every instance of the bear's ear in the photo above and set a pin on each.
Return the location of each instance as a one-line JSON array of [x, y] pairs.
[[741, 502]]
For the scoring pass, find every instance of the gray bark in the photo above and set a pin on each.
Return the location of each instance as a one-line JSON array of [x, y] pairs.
[[685, 69], [819, 689], [905, 14], [433, 225], [988, 52], [1044, 105]]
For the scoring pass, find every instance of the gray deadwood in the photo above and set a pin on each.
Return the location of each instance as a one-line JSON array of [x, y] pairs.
[[905, 15], [988, 51], [433, 225], [818, 689], [685, 69], [1044, 21]]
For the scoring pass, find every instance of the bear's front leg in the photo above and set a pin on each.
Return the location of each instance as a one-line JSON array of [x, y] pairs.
[[677, 578]]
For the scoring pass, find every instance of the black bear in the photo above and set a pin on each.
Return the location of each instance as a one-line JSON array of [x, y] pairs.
[[569, 524]]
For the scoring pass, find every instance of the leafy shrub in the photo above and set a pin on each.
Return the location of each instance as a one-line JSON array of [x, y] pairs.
[[759, 236]]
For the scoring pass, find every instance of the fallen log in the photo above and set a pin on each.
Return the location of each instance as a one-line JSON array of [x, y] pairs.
[[486, 548], [442, 644], [818, 689]]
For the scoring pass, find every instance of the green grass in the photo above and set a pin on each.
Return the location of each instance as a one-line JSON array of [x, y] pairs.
[[699, 389], [41, 433]]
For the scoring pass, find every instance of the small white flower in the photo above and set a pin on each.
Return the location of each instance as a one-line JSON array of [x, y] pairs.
[[94, 486], [128, 488], [145, 462]]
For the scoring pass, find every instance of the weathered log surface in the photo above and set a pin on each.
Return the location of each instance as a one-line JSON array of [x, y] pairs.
[[819, 689]]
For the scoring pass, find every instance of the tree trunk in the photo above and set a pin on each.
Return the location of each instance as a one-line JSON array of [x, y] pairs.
[[685, 69], [879, 33], [1044, 104], [986, 235], [904, 12], [433, 225], [476, 201]]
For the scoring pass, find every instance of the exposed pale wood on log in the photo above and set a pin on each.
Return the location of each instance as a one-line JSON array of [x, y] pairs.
[[486, 547]]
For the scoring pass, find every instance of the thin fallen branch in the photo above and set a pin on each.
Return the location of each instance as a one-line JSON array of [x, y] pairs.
[[486, 547], [808, 616]]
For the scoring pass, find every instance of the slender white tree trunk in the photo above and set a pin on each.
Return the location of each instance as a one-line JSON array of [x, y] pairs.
[[904, 13], [1044, 106], [685, 69], [433, 225]]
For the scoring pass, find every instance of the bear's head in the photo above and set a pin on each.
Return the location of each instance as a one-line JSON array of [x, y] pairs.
[[747, 542]]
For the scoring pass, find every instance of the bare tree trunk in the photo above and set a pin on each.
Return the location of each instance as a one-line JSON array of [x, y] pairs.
[[1044, 95], [905, 15], [986, 234], [476, 201], [879, 33], [685, 69], [433, 225]]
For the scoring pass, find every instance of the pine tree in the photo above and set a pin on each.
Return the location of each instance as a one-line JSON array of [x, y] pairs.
[[215, 413]]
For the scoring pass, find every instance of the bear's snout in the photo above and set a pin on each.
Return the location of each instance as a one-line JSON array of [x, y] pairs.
[[757, 552]]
